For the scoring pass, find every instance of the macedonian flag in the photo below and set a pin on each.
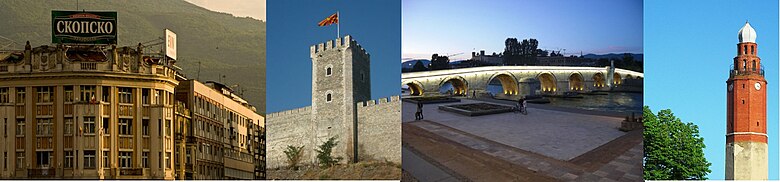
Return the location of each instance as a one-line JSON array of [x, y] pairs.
[[332, 19]]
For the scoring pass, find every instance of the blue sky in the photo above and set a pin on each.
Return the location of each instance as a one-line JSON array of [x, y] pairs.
[[689, 46], [292, 28], [462, 26]]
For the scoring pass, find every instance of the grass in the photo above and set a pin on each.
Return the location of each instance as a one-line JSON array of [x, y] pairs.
[[357, 171]]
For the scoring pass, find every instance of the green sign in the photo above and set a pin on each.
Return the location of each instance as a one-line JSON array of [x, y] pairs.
[[83, 27]]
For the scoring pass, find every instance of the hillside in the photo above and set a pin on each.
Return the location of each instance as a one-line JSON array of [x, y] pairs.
[[223, 44]]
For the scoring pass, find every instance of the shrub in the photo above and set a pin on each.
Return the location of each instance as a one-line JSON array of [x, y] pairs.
[[324, 153], [294, 155]]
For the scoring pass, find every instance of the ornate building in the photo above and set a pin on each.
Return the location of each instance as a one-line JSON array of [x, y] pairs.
[[86, 112], [746, 138]]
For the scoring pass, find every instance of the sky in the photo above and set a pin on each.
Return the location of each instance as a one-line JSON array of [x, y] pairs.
[[240, 8], [292, 29], [689, 48], [450, 27]]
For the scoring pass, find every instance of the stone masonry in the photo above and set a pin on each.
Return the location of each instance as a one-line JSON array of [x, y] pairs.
[[341, 108]]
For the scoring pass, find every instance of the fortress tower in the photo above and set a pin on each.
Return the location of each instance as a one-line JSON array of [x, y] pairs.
[[746, 138], [340, 78]]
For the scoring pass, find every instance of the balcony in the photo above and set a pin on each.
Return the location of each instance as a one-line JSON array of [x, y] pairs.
[[106, 109], [41, 173], [125, 110], [745, 71], [131, 172]]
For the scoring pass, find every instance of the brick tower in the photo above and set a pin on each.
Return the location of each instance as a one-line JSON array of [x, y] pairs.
[[746, 139]]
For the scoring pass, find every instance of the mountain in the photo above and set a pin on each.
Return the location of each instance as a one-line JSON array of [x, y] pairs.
[[222, 44], [638, 57]]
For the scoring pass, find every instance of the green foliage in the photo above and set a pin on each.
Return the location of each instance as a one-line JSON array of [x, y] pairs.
[[324, 153], [419, 67], [673, 150], [294, 155], [222, 43]]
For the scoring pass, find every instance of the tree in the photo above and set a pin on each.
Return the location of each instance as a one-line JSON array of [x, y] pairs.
[[673, 150], [294, 155], [439, 62], [323, 153]]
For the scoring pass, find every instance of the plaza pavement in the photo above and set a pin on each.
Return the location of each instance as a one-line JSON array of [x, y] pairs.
[[545, 143]]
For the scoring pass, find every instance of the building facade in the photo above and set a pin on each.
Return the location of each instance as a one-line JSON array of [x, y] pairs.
[[746, 138], [220, 139], [341, 108], [86, 112]]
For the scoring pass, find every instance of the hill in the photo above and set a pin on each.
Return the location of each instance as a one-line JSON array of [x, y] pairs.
[[222, 43]]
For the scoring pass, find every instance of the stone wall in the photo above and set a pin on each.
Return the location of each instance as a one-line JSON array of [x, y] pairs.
[[379, 130], [291, 127], [747, 161]]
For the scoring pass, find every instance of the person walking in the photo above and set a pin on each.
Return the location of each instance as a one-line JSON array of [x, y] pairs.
[[419, 114]]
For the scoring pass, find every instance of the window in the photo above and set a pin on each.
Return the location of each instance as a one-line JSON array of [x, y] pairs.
[[126, 95], [42, 159], [68, 97], [168, 160], [89, 159], [145, 127], [5, 160], [87, 93], [4, 95], [328, 98], [45, 94], [68, 163], [125, 159], [145, 159], [106, 127], [145, 96], [20, 160], [106, 94], [168, 128], [68, 126], [20, 95], [126, 126], [754, 65], [744, 49], [89, 125], [744, 65], [106, 159], [19, 126], [5, 127], [328, 72], [44, 127]]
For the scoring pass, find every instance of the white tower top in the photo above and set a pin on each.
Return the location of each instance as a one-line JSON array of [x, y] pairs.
[[747, 34]]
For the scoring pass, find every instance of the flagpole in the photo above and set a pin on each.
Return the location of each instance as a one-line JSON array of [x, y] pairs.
[[338, 25]]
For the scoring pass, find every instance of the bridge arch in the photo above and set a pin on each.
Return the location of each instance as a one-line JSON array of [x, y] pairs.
[[576, 82], [459, 84], [617, 80], [415, 87], [548, 81], [508, 81], [599, 80]]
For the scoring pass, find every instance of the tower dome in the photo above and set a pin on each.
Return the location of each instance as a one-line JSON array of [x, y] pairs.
[[747, 34]]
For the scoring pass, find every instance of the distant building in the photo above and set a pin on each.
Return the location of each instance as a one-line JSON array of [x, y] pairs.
[[221, 135], [484, 59]]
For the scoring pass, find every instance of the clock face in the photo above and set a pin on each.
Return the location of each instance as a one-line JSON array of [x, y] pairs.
[[731, 87], [757, 85]]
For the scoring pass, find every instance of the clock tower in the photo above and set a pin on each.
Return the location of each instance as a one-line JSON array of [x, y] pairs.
[[746, 138]]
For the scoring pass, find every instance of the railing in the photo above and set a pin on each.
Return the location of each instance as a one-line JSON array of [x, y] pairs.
[[126, 142], [49, 172], [44, 110], [106, 142], [131, 172], [125, 110], [146, 142], [68, 109], [746, 71], [88, 66], [106, 109], [146, 111], [20, 111]]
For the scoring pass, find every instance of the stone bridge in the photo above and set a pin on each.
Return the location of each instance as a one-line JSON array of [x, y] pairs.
[[520, 80]]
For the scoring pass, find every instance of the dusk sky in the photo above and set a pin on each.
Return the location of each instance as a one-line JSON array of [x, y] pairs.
[[462, 26], [690, 48]]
